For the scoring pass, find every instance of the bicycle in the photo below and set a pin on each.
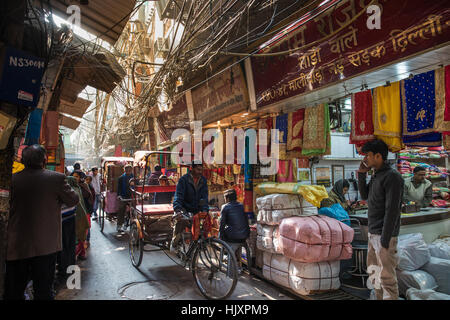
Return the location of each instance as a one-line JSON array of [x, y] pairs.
[[212, 261]]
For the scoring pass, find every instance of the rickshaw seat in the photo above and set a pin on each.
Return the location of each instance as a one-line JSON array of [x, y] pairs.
[[155, 209]]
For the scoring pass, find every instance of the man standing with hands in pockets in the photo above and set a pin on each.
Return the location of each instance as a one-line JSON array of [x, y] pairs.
[[384, 194]]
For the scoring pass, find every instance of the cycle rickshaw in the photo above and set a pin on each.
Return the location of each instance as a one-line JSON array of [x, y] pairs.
[[212, 261], [111, 169]]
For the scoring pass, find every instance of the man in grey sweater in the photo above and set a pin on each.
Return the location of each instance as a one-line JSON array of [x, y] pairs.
[[384, 193]]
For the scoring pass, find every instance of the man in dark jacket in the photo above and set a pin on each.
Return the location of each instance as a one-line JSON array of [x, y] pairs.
[[34, 226], [384, 193], [191, 196], [233, 220], [124, 193], [154, 177]]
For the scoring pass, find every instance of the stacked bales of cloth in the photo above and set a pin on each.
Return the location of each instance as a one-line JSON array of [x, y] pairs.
[[315, 239], [302, 278], [268, 238], [275, 207]]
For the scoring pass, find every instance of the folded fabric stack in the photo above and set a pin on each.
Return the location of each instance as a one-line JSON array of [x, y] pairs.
[[430, 152]]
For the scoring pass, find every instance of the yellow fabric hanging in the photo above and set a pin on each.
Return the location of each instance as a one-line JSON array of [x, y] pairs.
[[312, 194], [387, 117]]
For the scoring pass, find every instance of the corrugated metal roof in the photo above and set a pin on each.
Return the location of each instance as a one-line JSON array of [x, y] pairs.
[[99, 17]]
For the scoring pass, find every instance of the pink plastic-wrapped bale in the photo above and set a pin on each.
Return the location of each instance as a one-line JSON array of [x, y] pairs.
[[315, 239]]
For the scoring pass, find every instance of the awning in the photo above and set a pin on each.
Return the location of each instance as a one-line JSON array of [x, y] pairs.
[[103, 18], [68, 122], [76, 109]]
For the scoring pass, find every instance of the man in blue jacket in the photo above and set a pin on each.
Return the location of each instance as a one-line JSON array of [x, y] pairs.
[[191, 196], [123, 192]]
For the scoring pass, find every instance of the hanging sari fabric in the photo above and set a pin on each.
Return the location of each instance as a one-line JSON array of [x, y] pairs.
[[248, 175], [266, 123], [286, 170], [316, 134], [418, 110], [295, 133], [282, 126], [442, 85], [387, 121], [229, 177], [362, 120], [446, 140]]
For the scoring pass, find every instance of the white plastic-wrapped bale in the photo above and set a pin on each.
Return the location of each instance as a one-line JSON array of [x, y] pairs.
[[427, 294], [268, 238], [275, 207], [439, 249], [440, 270], [413, 252], [418, 279], [302, 278]]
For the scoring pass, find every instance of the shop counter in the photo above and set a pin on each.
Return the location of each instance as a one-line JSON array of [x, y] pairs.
[[431, 222]]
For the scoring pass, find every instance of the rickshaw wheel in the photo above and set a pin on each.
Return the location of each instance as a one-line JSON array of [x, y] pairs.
[[101, 215], [135, 246]]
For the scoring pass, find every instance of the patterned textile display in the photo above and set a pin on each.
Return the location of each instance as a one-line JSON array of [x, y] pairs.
[[295, 133], [418, 110], [281, 123], [362, 118], [316, 134], [446, 140], [285, 171], [266, 123], [387, 120], [442, 84]]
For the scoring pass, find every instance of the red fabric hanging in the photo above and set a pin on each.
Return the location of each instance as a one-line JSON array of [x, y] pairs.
[[362, 119]]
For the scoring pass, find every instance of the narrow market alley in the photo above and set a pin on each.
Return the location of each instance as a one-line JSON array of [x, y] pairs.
[[107, 274]]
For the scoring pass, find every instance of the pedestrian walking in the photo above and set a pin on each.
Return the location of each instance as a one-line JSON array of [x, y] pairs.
[[384, 193], [81, 218], [96, 185], [88, 182], [34, 226]]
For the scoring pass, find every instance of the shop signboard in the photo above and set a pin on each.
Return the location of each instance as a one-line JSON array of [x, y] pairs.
[[20, 77], [220, 97], [337, 44]]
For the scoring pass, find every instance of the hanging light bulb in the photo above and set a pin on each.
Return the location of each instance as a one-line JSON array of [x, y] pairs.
[[179, 82]]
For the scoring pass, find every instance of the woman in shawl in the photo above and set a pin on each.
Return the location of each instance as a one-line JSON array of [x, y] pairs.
[[337, 195], [81, 220]]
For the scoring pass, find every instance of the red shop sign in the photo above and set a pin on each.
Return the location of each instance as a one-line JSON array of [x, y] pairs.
[[337, 44]]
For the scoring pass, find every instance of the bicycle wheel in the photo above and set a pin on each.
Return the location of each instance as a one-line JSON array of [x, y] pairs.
[[101, 215], [214, 268], [135, 246]]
